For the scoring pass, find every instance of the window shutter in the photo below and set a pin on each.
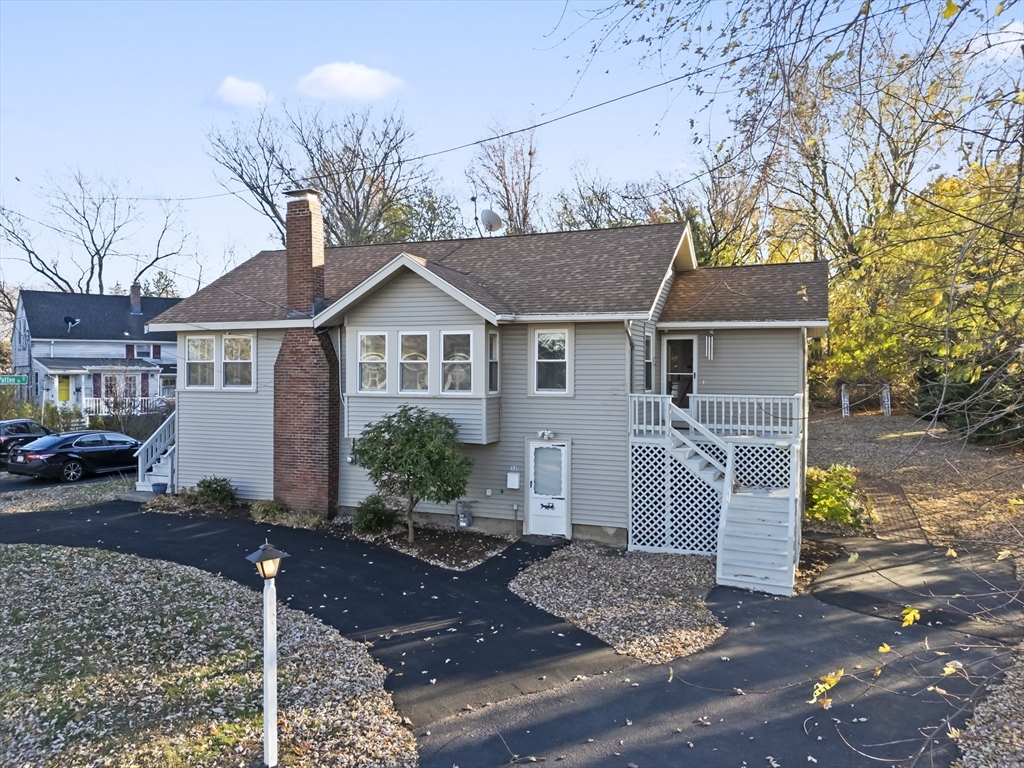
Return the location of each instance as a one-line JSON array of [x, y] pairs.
[[97, 385], [156, 351], [129, 351]]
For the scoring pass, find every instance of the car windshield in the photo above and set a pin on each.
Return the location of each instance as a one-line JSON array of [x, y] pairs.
[[44, 442]]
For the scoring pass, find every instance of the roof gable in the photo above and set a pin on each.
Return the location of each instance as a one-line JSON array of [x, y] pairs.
[[101, 317]]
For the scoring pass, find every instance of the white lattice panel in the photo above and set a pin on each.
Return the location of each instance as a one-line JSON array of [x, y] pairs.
[[761, 466], [672, 509]]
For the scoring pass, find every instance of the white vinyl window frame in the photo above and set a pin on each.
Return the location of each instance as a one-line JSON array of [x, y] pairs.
[[648, 362], [212, 362], [445, 362], [493, 363], [424, 363], [361, 361], [144, 351], [570, 343], [225, 362]]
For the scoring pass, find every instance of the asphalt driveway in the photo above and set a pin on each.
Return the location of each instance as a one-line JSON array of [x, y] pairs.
[[488, 679]]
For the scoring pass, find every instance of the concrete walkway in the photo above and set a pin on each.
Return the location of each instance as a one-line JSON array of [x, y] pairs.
[[512, 682]]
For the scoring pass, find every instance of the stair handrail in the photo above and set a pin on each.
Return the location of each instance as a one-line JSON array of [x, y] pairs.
[[723, 518], [676, 411], [156, 444]]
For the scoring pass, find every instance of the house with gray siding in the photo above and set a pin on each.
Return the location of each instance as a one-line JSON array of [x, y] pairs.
[[604, 385], [91, 352]]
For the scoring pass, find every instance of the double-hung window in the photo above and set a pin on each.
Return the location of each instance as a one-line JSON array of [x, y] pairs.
[[144, 350], [414, 374], [237, 361], [456, 365], [199, 361], [551, 360], [373, 365], [492, 361], [648, 362]]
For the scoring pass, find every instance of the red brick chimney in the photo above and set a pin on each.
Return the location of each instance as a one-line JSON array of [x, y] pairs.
[[305, 248], [136, 298], [307, 395]]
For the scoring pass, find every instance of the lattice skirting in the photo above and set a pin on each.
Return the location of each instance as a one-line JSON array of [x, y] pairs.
[[672, 509], [756, 466]]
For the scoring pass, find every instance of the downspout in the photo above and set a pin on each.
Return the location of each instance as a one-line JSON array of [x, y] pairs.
[[628, 324]]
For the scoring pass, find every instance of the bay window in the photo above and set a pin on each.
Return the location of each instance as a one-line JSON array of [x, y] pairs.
[[456, 364], [414, 365], [373, 365]]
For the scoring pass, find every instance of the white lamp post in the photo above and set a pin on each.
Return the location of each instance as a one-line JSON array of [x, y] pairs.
[[268, 561]]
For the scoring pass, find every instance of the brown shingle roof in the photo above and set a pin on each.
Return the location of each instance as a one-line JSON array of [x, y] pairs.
[[760, 292], [593, 271]]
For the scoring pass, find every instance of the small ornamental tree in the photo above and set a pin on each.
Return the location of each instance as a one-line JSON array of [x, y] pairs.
[[414, 455]]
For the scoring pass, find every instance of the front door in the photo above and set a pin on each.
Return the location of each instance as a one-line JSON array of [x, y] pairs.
[[63, 388], [680, 370], [549, 479]]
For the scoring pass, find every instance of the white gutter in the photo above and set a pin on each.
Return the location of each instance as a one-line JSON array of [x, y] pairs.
[[233, 325], [585, 317], [742, 325]]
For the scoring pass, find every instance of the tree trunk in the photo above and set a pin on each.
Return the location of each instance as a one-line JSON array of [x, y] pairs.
[[408, 518]]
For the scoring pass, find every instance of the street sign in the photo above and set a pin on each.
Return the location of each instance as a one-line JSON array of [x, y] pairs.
[[13, 380]]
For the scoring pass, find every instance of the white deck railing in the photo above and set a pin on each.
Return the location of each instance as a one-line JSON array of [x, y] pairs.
[[158, 442], [760, 415], [769, 416], [100, 406]]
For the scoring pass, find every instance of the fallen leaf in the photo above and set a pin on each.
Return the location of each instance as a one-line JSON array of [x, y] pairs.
[[950, 552], [671, 674], [853, 559], [953, 733], [884, 648], [910, 615], [1003, 554]]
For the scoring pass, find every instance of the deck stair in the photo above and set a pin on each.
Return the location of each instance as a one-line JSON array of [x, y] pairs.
[[156, 457], [757, 548]]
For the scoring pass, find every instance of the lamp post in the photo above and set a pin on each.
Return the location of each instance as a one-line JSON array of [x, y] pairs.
[[268, 561]]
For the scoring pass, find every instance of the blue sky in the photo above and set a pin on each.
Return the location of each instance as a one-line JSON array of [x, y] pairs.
[[131, 89]]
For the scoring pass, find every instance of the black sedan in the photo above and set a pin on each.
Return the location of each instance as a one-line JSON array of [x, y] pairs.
[[18, 432], [72, 455]]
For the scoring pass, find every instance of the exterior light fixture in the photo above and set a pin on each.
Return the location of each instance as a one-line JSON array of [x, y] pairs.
[[267, 560]]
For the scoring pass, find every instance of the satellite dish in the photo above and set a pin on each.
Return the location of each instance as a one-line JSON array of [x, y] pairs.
[[71, 322], [491, 221]]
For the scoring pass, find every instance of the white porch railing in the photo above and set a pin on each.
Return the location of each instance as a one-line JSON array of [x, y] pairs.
[[768, 416], [158, 442], [99, 406], [761, 415]]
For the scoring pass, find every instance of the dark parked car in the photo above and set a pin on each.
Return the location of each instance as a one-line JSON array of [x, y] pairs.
[[73, 455], [18, 432]]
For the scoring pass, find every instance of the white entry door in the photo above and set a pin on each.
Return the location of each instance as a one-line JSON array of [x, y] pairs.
[[549, 476]]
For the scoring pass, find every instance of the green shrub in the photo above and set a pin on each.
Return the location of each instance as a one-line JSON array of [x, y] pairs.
[[373, 516], [268, 511], [831, 494], [216, 493]]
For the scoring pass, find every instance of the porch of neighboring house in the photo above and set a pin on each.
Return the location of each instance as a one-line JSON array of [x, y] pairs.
[[102, 387], [722, 475]]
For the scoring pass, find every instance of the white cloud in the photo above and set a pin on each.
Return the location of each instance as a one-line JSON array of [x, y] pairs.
[[1001, 44], [348, 81], [241, 93]]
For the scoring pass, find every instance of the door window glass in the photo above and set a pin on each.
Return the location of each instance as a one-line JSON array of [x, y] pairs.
[[89, 441], [119, 440], [679, 370], [547, 471]]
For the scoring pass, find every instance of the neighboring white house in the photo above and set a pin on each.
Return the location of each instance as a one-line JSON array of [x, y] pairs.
[[88, 351], [604, 385]]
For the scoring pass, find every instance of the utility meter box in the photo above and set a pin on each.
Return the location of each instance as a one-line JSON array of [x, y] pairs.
[[513, 481]]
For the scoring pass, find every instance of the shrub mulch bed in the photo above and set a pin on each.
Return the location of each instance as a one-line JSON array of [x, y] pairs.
[[443, 546]]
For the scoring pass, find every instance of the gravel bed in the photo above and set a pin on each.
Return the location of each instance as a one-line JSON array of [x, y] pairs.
[[994, 737], [114, 660], [648, 606], [64, 496]]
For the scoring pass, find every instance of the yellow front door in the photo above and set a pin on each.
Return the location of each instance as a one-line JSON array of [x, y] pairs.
[[63, 388]]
